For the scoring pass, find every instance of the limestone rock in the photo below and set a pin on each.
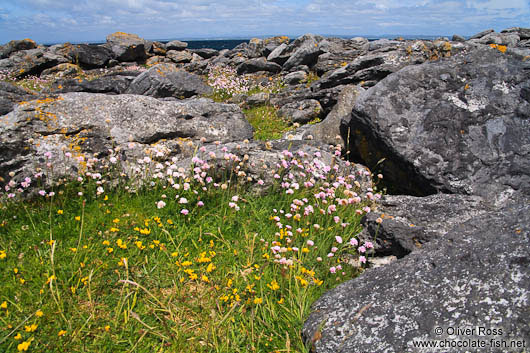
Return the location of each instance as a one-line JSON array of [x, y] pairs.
[[476, 275], [176, 45], [127, 47], [336, 122], [457, 125], [255, 65], [301, 112], [179, 57], [165, 80], [16, 45], [88, 123], [10, 96]]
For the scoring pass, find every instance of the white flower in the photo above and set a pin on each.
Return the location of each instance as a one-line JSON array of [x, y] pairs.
[[160, 204]]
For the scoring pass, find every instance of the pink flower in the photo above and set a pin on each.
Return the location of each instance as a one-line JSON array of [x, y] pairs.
[[334, 249], [362, 259], [310, 243], [160, 204], [369, 244], [362, 249], [42, 193], [200, 203], [354, 242], [338, 239], [184, 212], [332, 269]]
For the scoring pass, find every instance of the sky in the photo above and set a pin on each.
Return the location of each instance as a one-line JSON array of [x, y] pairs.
[[78, 21]]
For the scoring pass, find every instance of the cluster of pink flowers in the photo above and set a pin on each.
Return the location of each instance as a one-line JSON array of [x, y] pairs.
[[226, 80]]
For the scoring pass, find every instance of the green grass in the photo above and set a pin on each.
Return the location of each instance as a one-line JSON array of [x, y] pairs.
[[112, 272], [266, 122]]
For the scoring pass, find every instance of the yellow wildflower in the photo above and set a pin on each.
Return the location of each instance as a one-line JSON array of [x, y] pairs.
[[18, 336], [258, 300], [106, 242], [107, 328], [77, 218], [3, 305], [30, 328], [39, 313], [210, 267], [60, 211], [273, 285], [204, 278], [61, 333], [23, 346]]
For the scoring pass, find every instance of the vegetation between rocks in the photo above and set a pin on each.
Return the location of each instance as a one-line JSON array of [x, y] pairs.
[[156, 258]]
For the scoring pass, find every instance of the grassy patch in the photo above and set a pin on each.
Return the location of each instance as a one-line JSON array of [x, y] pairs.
[[182, 264], [266, 122]]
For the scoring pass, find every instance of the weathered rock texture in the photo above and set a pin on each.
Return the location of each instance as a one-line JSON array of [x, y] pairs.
[[477, 275], [84, 124], [165, 80], [459, 125]]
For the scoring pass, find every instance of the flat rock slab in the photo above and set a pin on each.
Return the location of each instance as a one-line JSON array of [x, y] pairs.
[[477, 275], [88, 123]]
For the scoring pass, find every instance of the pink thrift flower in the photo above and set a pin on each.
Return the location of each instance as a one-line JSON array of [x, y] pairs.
[[362, 259], [42, 193], [369, 245], [338, 239], [160, 204], [200, 203], [354, 242], [362, 249], [184, 212], [332, 269], [334, 249], [310, 243]]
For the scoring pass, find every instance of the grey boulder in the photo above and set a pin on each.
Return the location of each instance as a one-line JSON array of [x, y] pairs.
[[476, 276], [85, 124], [458, 125], [166, 80]]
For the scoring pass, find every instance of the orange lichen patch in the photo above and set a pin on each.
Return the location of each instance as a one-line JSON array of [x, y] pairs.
[[501, 48]]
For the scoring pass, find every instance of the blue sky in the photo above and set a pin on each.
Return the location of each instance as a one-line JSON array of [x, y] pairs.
[[88, 20]]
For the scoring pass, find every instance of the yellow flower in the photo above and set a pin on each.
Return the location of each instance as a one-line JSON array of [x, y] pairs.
[[51, 278], [186, 263], [107, 328], [175, 254], [258, 300], [210, 267], [61, 333], [139, 245], [77, 218], [22, 280], [273, 285], [15, 270], [73, 249], [105, 198], [30, 328], [116, 220], [280, 301], [39, 313], [3, 305], [106, 242], [109, 250], [204, 278], [2, 254], [114, 230], [18, 336], [60, 211], [23, 346], [51, 242]]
